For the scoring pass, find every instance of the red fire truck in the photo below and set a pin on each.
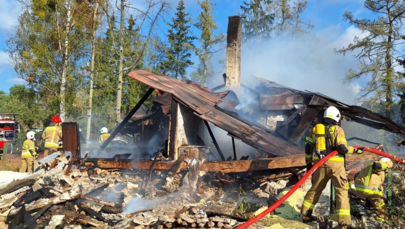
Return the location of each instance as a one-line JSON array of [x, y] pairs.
[[9, 128]]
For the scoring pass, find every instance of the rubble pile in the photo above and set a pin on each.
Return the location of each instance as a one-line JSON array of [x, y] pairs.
[[90, 197]]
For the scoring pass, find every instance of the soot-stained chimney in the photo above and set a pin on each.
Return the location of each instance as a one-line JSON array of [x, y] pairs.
[[233, 51]]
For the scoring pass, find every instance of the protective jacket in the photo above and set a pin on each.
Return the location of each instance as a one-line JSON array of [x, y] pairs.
[[368, 183], [104, 137], [51, 136], [337, 142], [27, 156], [333, 170]]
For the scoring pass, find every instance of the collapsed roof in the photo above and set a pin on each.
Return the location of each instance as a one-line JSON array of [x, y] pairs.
[[300, 109]]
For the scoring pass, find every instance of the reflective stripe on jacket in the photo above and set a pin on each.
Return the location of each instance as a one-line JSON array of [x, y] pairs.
[[370, 181], [27, 146], [51, 136], [337, 138]]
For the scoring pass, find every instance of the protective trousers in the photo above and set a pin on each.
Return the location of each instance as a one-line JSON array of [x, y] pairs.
[[335, 172], [26, 164], [48, 151], [378, 203]]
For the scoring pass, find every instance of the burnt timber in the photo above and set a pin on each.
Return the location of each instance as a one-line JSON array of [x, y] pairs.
[[225, 166], [280, 145]]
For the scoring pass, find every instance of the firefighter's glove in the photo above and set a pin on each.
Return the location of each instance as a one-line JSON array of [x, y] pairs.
[[377, 166], [359, 150], [309, 166], [34, 154]]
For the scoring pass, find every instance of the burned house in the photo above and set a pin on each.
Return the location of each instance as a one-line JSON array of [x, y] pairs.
[[184, 118]]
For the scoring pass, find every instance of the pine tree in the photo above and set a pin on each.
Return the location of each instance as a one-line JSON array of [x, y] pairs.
[[378, 50], [181, 45], [263, 19], [208, 40]]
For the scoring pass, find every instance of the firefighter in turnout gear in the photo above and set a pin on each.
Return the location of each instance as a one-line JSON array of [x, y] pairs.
[[52, 135], [28, 154], [104, 134], [368, 183], [325, 138]]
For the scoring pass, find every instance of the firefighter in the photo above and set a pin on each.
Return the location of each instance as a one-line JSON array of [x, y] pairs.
[[52, 135], [28, 154], [325, 138], [104, 134], [368, 183]]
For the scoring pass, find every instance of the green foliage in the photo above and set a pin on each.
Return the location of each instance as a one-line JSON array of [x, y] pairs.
[[263, 19], [208, 40], [181, 45], [23, 101], [378, 50], [245, 209], [48, 49], [397, 210]]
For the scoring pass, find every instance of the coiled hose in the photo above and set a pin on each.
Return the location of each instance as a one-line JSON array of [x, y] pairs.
[[302, 180]]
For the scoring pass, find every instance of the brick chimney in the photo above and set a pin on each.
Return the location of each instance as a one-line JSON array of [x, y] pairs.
[[233, 51]]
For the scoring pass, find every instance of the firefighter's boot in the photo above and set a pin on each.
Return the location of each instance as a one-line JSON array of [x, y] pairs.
[[307, 218]]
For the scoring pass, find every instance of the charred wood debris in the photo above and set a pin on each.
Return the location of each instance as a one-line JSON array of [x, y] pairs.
[[184, 183], [91, 197]]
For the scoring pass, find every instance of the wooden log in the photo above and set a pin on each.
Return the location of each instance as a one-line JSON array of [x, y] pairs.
[[213, 216], [71, 195], [83, 219], [168, 225], [15, 185], [117, 208], [179, 221], [220, 224], [95, 200], [211, 224], [18, 218], [98, 189], [184, 223], [193, 211], [30, 224], [193, 225], [90, 212], [21, 200], [184, 209], [201, 225]]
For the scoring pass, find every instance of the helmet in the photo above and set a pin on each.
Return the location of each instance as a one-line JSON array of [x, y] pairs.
[[104, 130], [56, 119], [384, 159], [30, 135], [332, 113]]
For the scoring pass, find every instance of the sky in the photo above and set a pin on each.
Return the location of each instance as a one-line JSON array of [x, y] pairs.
[[310, 64]]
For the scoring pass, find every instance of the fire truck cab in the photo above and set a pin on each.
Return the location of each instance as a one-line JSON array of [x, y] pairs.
[[9, 128]]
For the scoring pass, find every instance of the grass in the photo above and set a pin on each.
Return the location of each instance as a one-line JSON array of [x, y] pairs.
[[12, 163]]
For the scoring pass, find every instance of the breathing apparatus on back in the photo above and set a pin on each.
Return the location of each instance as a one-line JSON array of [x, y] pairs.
[[320, 139], [323, 142]]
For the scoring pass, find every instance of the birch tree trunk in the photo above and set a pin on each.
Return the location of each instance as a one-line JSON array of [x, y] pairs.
[[121, 62], [93, 52], [65, 63]]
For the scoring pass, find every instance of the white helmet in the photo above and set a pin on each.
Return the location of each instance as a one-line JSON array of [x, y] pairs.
[[104, 130], [30, 135], [384, 159], [332, 113]]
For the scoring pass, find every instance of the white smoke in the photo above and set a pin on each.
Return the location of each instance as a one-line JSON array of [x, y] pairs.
[[303, 63]]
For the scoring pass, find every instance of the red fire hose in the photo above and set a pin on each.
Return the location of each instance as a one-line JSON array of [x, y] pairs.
[[301, 181]]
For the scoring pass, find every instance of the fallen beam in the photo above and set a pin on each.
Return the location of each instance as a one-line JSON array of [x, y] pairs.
[[225, 166]]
